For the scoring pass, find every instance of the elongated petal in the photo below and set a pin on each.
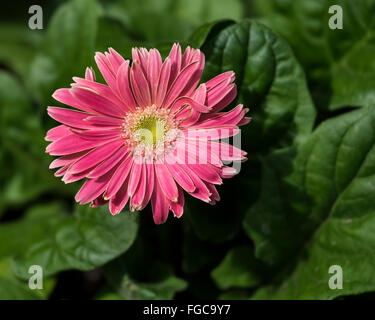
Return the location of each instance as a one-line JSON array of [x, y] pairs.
[[119, 200], [118, 177], [109, 163], [96, 102], [140, 86], [95, 156], [220, 78], [178, 207], [69, 117], [66, 160], [150, 171], [93, 188], [57, 133], [123, 85], [137, 199], [175, 58], [164, 76], [65, 96], [181, 177], [72, 144], [166, 182], [182, 84], [204, 172], [153, 72], [160, 204], [135, 176], [100, 89]]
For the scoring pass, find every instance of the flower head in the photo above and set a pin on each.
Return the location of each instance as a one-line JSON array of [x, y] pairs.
[[147, 135]]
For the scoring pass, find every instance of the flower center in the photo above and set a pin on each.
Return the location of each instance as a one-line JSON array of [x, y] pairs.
[[150, 130]]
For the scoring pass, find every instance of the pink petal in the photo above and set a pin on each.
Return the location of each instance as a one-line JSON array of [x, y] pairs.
[[204, 172], [227, 152], [57, 133], [103, 122], [212, 133], [140, 85], [69, 177], [66, 160], [200, 94], [100, 89], [220, 78], [106, 69], [98, 135], [166, 181], [65, 96], [93, 188], [201, 191], [186, 101], [90, 74], [115, 59], [61, 171], [118, 177], [231, 117], [93, 100], [195, 152], [162, 89], [99, 201], [95, 156], [178, 207], [72, 144], [109, 163], [175, 58], [135, 176], [160, 204], [181, 177], [69, 117], [141, 56], [182, 84], [137, 199], [153, 71], [219, 98], [150, 178], [214, 194], [119, 200], [123, 85]]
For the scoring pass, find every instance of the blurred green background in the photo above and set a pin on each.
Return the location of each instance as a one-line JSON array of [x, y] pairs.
[[302, 202]]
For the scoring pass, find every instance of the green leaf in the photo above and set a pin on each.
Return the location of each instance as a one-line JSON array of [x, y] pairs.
[[68, 48], [339, 214], [170, 20], [201, 34], [201, 11], [121, 276], [57, 242], [238, 269], [22, 142], [271, 83], [279, 221], [18, 46], [163, 290], [269, 80], [340, 59], [10, 287]]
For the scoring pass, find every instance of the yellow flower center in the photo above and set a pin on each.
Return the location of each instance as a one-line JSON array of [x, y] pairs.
[[150, 130]]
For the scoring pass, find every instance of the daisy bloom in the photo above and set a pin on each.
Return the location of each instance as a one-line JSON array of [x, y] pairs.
[[149, 133]]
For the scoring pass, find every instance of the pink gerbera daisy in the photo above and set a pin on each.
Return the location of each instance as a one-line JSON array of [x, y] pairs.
[[149, 134]]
